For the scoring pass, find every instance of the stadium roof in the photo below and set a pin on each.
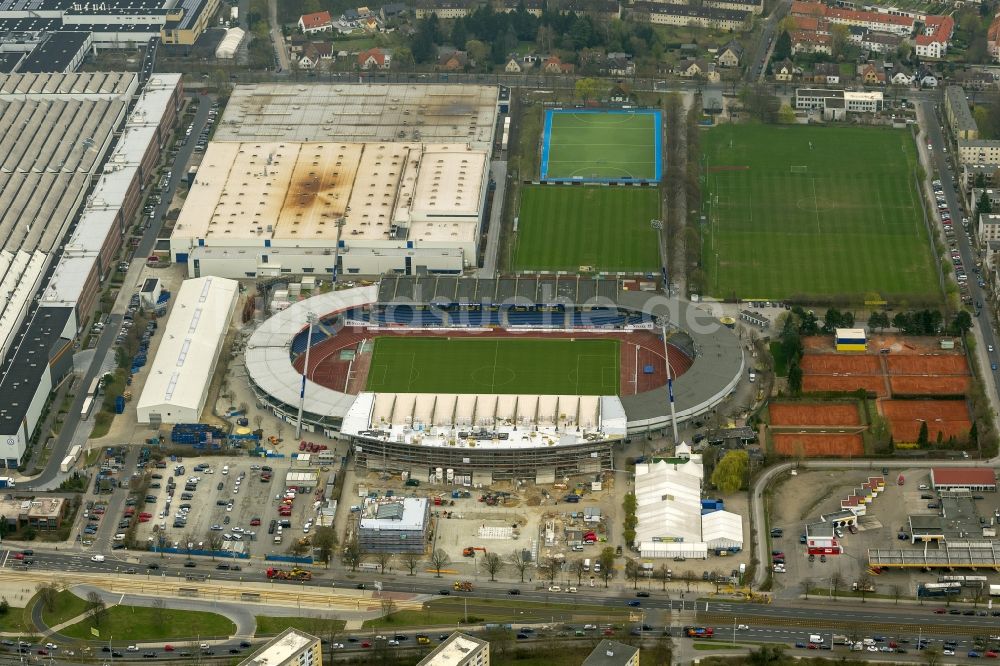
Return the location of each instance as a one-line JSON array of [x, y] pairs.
[[963, 476], [534, 289], [190, 344], [434, 113]]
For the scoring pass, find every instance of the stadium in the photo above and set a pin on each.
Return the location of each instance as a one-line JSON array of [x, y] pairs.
[[527, 377]]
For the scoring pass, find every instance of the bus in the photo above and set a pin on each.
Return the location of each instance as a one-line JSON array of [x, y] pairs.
[[95, 386], [939, 590], [88, 408]]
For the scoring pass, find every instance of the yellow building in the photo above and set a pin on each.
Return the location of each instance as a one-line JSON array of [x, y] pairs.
[[187, 21], [851, 340]]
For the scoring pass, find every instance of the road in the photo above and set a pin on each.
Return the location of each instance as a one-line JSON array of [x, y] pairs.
[[757, 64], [278, 38]]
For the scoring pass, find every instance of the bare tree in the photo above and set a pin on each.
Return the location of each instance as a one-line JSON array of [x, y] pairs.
[[931, 656], [519, 562], [439, 559], [48, 595], [388, 606], [549, 568], [896, 591], [633, 572], [493, 564], [258, 420], [836, 582], [864, 584], [96, 606], [159, 606], [688, 577], [806, 586], [664, 575], [577, 566], [411, 560], [352, 555], [214, 543], [325, 541], [383, 560]]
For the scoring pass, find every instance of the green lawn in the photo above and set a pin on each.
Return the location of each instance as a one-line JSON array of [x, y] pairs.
[[494, 365], [814, 212], [67, 606], [271, 625], [138, 623], [561, 228], [600, 145]]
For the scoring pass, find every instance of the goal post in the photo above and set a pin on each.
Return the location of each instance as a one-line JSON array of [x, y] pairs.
[[799, 168]]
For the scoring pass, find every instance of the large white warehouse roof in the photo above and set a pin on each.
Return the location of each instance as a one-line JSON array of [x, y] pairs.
[[182, 370]]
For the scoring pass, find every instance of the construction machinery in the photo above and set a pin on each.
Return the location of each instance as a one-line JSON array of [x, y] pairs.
[[462, 586], [470, 551], [294, 573]]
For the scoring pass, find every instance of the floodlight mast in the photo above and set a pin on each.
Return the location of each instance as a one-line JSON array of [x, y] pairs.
[[662, 322], [311, 318]]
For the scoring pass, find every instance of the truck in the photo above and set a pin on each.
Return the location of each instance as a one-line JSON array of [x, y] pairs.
[[840, 639], [294, 573], [7, 482], [462, 586], [699, 632], [66, 464]]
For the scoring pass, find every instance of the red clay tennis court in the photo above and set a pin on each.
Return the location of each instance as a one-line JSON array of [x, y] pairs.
[[818, 445], [844, 383], [829, 364], [918, 385], [949, 417], [832, 414], [927, 364]]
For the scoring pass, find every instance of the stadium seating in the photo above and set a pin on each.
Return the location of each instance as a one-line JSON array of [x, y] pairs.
[[474, 318], [515, 318], [301, 340]]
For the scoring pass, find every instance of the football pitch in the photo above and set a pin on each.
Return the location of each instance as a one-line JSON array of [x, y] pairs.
[[561, 228], [558, 366], [814, 212], [601, 145]]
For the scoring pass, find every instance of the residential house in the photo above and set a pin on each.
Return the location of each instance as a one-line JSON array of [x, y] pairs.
[[731, 55], [879, 42], [926, 78], [826, 72], [882, 22], [445, 9], [993, 38], [813, 9], [393, 10], [974, 79], [934, 41], [375, 58], [785, 70], [807, 41], [452, 60], [533, 7], [901, 78], [872, 74], [661, 13], [602, 9], [317, 22], [554, 65], [315, 53], [927, 46], [619, 94], [513, 66], [619, 64]]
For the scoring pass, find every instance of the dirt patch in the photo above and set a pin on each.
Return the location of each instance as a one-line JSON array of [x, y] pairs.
[[844, 383], [927, 364], [793, 413], [829, 364], [818, 445], [949, 417], [916, 385]]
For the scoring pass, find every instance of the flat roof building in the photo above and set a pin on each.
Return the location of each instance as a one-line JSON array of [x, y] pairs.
[[613, 653], [394, 525], [459, 650], [970, 478], [177, 386], [290, 648]]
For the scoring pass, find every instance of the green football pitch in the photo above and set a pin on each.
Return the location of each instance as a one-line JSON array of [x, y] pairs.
[[600, 146], [557, 366], [561, 228], [814, 212]]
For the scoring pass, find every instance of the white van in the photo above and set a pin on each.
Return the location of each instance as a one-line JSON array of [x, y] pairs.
[[586, 564], [225, 469], [97, 558], [815, 638], [597, 567]]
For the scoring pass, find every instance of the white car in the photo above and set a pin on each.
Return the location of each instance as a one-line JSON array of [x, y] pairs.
[[132, 648], [238, 530], [743, 627], [555, 588], [948, 652], [97, 558], [229, 507], [923, 486], [874, 648], [203, 646], [51, 646]]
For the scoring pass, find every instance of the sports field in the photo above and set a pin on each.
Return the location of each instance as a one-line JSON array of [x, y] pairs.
[[601, 145], [561, 228], [494, 365], [814, 212]]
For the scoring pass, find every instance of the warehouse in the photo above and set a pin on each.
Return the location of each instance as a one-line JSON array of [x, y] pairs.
[[396, 526], [963, 478], [177, 386], [851, 339], [722, 530]]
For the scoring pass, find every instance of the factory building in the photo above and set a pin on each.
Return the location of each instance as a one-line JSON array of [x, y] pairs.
[[394, 525]]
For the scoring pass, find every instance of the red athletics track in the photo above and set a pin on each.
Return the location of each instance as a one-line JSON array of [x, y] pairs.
[[644, 347]]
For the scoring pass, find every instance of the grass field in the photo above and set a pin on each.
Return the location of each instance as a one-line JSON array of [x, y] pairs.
[[494, 365], [814, 212], [561, 228], [600, 145], [139, 623]]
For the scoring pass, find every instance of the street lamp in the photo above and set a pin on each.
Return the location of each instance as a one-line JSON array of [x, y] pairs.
[[311, 318]]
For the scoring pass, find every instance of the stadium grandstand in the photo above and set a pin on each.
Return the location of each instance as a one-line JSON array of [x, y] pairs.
[[487, 422]]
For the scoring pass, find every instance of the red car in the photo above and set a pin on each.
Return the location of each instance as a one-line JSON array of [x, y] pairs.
[[43, 652], [255, 522], [940, 611], [813, 646], [168, 648], [991, 655], [366, 644]]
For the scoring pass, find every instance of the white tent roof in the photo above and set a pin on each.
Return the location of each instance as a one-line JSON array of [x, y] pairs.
[[722, 529], [669, 501]]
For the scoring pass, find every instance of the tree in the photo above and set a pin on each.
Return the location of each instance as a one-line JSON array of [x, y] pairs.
[[786, 115], [630, 505], [258, 420], [518, 560], [579, 568], [731, 472], [931, 656], [549, 569], [896, 591], [984, 206], [962, 323], [48, 593], [839, 35], [298, 547], [607, 562], [352, 555], [782, 47], [795, 377], [96, 606], [863, 583], [493, 564], [214, 543], [588, 89], [383, 560], [325, 541], [159, 606], [633, 572], [477, 51], [439, 558], [664, 574], [688, 576], [922, 437], [411, 560], [836, 582], [806, 586], [878, 321]]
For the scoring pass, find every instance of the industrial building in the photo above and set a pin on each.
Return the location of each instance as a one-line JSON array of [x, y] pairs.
[[60, 128], [394, 525], [177, 386], [964, 478], [291, 647], [352, 179], [459, 650], [851, 339]]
